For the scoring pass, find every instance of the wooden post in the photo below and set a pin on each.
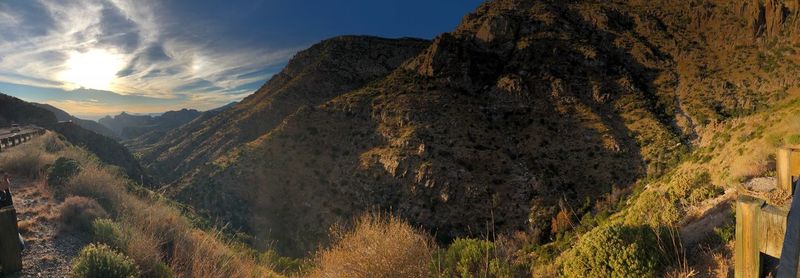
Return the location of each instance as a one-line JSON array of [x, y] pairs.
[[10, 249], [748, 248], [787, 164], [772, 226]]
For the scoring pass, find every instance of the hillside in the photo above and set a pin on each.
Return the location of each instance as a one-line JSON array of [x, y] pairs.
[[127, 126], [14, 110], [63, 116], [524, 111], [312, 77], [108, 150]]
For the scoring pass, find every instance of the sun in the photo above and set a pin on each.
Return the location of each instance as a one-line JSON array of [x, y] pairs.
[[93, 69]]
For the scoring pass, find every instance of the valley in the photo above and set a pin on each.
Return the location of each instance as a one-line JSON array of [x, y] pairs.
[[534, 139]]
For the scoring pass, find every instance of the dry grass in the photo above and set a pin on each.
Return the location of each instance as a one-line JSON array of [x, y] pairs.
[[144, 249], [199, 254], [155, 231], [377, 246], [25, 160], [76, 214]]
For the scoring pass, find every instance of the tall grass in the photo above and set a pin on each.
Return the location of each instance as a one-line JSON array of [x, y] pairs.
[[377, 246], [154, 233]]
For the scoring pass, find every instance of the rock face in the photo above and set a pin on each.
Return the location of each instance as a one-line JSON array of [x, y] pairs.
[[526, 108]]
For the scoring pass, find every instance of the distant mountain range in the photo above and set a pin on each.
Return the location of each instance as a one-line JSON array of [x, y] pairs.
[[130, 126], [62, 115], [127, 126]]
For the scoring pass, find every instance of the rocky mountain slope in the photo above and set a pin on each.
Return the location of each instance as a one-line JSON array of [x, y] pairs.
[[63, 116], [526, 110], [312, 77], [127, 126]]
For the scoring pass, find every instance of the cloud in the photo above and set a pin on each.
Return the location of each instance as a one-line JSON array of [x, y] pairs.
[[161, 58]]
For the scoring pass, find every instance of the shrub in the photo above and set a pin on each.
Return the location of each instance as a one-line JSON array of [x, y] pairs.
[[614, 251], [794, 139], [53, 144], [284, 265], [377, 246], [97, 183], [198, 254], [471, 258], [161, 270], [76, 214], [108, 232], [725, 233], [142, 248], [61, 171], [101, 261]]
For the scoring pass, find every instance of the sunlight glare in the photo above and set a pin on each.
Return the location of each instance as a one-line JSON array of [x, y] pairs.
[[94, 69]]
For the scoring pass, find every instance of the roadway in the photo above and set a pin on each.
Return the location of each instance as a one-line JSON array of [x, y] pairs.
[[9, 132]]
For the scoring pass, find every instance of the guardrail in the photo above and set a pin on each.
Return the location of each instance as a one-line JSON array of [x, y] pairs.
[[25, 134]]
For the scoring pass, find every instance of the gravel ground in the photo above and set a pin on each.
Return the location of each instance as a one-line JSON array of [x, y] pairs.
[[47, 253]]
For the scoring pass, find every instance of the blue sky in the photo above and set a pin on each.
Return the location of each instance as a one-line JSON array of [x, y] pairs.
[[98, 57]]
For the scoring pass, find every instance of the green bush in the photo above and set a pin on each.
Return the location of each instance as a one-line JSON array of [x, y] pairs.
[[101, 261], [725, 233], [108, 232], [61, 171], [794, 139], [614, 251], [161, 270], [467, 257]]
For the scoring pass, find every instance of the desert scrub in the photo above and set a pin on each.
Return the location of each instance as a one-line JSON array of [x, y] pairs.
[[377, 246], [666, 202], [614, 251], [108, 232], [467, 257], [76, 214], [141, 247], [98, 260], [61, 171]]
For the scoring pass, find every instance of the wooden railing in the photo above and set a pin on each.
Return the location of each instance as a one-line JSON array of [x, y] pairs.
[[768, 234]]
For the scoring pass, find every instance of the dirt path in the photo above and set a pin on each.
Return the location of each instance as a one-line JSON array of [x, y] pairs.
[[47, 252]]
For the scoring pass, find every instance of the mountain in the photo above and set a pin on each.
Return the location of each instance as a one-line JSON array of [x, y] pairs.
[[63, 116], [527, 110], [224, 107], [14, 110], [108, 150], [129, 126], [312, 77]]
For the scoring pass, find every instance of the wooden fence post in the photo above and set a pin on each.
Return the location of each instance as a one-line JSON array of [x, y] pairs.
[[747, 254]]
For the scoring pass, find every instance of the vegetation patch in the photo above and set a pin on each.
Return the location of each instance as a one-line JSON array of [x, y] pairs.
[[76, 214], [98, 260], [614, 251]]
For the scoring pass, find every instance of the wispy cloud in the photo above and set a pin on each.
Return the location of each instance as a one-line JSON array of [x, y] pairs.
[[156, 58]]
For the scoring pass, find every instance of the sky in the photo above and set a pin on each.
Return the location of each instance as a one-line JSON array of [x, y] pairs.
[[98, 57]]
